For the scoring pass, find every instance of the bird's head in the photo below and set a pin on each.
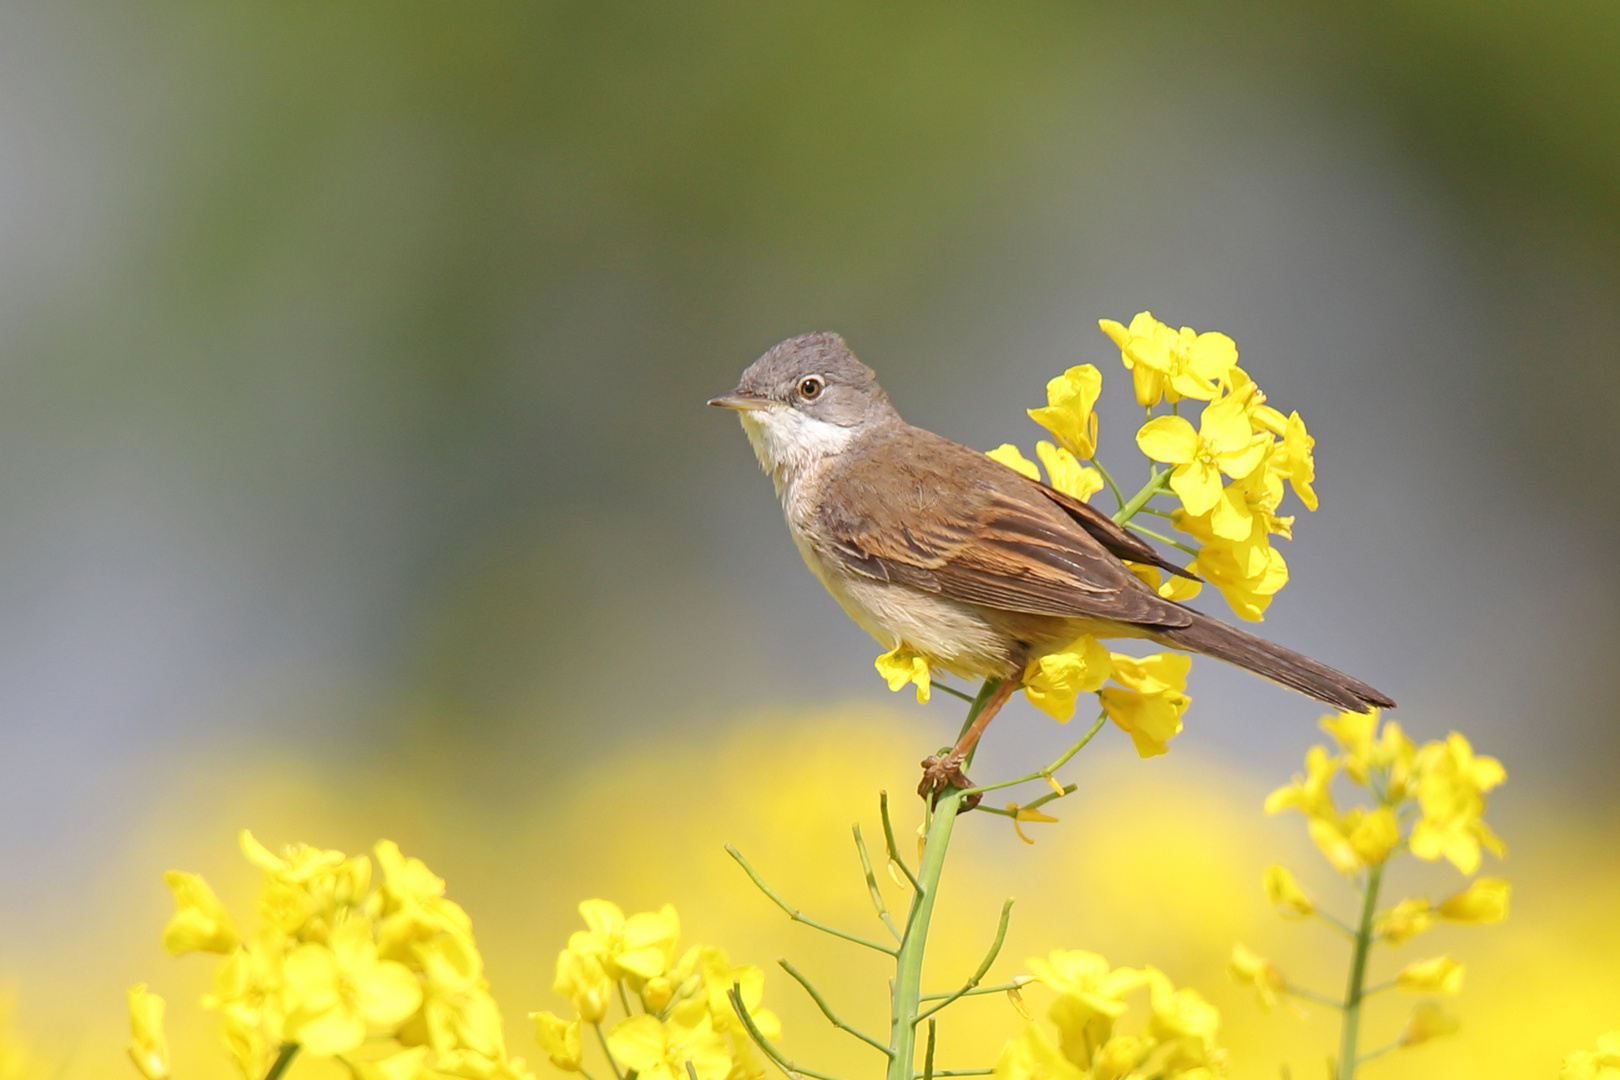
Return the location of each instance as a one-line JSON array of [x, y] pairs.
[[806, 398]]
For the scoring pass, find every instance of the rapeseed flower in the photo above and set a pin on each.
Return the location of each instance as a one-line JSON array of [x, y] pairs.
[[337, 994], [200, 922], [1482, 903], [1451, 787], [1284, 894], [1438, 975], [1600, 1064], [1222, 443], [1012, 457], [560, 1039], [1428, 1022], [1066, 474], [148, 1047], [1053, 682], [1068, 415], [1168, 364], [1031, 1055], [662, 1049], [1150, 700], [1249, 969], [1404, 921]]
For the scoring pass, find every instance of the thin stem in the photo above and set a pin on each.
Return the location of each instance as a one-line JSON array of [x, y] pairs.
[[283, 1059], [826, 1010], [691, 1070], [624, 999], [602, 1039], [793, 1071], [1034, 804], [963, 1072], [1109, 480], [1155, 511], [928, 1055], [1378, 1053], [888, 841], [1139, 500], [1046, 773], [1378, 989], [1163, 539], [999, 988], [1358, 973], [799, 916], [1312, 995], [954, 692], [908, 964], [1336, 923], [872, 885], [989, 958]]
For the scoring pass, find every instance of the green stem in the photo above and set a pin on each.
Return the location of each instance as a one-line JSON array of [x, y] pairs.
[[1140, 499], [977, 976], [872, 885], [928, 1055], [999, 988], [908, 965], [1163, 539], [1109, 480], [1358, 974], [601, 1038], [1046, 773], [283, 1059], [797, 915], [1312, 995], [794, 1072], [954, 692], [826, 1010], [888, 840]]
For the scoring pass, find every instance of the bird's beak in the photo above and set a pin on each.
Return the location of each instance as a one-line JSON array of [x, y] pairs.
[[742, 402]]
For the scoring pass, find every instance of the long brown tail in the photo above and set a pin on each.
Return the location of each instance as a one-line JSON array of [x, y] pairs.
[[1211, 637]]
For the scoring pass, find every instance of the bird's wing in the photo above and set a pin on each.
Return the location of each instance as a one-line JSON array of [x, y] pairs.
[[1111, 535], [929, 513]]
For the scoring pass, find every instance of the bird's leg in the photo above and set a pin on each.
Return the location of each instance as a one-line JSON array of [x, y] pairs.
[[940, 772]]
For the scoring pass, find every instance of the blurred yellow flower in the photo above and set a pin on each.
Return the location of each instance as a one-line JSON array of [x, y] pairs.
[[1600, 1064], [1183, 1019], [1119, 1057], [148, 1048], [306, 887], [1149, 702], [1428, 1021], [1053, 682], [200, 922], [337, 994], [1066, 473], [583, 980], [248, 996], [1438, 975], [1222, 443], [1359, 839], [459, 1018], [1022, 814], [560, 1040], [1248, 969], [1312, 793], [1451, 786], [1068, 414], [1404, 921], [661, 1050], [1482, 903], [1012, 457], [413, 901], [1090, 997], [1283, 893], [1030, 1055], [899, 666], [1246, 584], [409, 1064]]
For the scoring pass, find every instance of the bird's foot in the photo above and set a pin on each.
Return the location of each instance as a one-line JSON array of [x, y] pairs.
[[941, 771]]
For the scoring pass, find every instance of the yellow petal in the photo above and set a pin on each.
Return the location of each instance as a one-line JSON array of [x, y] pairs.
[[1439, 975], [638, 1042], [1010, 456], [1169, 439], [1482, 903]]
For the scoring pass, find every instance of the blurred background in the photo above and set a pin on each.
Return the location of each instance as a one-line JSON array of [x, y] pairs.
[[355, 478]]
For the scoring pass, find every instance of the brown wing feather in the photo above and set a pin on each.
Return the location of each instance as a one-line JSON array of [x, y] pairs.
[[946, 519], [1116, 538]]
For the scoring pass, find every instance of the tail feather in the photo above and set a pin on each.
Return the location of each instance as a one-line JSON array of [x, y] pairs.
[[1211, 637]]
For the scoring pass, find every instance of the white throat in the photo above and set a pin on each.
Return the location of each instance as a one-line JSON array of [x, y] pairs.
[[790, 444]]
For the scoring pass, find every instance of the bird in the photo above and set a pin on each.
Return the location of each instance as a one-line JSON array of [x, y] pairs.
[[935, 547]]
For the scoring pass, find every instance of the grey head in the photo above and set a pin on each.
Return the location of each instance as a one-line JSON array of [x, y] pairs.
[[814, 375]]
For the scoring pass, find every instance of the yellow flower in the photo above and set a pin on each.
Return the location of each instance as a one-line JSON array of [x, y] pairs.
[[560, 1040], [1246, 585], [1068, 415], [458, 1014], [148, 1048], [1222, 443], [899, 666], [338, 994], [1168, 363], [1312, 793], [408, 1064], [1175, 588], [1022, 814], [1357, 840], [1284, 893], [1066, 472], [1090, 997], [1427, 1022], [1119, 1057], [1482, 903], [1248, 969], [200, 922], [248, 996], [661, 1050], [717, 977], [1293, 460], [1031, 1056], [1054, 681], [1149, 702], [413, 901], [306, 887], [1012, 457], [1600, 1064], [1451, 788], [638, 947], [1404, 921], [1184, 1018], [1439, 975], [583, 980]]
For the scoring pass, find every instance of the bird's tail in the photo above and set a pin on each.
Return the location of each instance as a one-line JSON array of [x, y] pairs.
[[1211, 637]]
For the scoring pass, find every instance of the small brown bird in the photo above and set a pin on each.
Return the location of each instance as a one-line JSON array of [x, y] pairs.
[[970, 564]]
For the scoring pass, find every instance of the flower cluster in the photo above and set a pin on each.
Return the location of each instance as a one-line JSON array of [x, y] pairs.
[[1177, 1040], [1600, 1064], [675, 1014], [339, 966], [1428, 801]]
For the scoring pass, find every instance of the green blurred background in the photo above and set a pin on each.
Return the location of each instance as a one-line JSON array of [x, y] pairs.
[[356, 478]]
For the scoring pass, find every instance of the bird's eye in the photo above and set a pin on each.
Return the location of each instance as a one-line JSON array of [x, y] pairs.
[[810, 387]]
